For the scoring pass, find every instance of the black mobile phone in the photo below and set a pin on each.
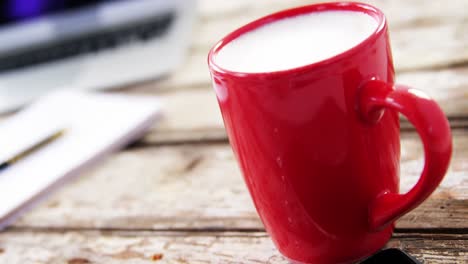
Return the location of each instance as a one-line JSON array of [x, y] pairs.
[[390, 256]]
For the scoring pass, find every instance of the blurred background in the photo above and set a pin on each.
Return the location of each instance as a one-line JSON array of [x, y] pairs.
[[181, 174]]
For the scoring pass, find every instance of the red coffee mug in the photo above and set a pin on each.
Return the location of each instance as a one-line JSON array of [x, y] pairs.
[[319, 145]]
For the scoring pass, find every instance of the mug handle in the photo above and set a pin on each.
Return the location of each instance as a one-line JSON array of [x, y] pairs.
[[434, 130]]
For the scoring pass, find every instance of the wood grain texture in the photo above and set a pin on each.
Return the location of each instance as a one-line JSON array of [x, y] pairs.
[[199, 186], [178, 247]]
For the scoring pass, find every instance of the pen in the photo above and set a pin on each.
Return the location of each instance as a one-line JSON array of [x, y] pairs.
[[29, 150]]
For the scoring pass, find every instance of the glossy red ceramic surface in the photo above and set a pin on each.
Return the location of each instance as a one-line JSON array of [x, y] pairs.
[[319, 145]]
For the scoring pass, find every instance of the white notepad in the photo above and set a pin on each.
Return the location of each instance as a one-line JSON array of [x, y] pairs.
[[95, 124]]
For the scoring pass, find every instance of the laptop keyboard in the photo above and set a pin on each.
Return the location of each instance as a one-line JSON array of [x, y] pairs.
[[89, 43]]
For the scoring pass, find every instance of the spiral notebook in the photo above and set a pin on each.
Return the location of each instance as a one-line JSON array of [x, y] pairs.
[[94, 125]]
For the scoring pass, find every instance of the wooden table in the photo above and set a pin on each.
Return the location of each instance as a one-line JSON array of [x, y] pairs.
[[177, 196]]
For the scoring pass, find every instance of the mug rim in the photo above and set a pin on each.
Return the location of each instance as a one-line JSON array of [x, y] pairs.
[[301, 10]]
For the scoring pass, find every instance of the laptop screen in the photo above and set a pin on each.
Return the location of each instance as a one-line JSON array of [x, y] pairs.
[[39, 31], [26, 24], [13, 11]]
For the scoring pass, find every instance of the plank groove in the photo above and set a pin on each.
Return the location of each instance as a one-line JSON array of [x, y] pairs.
[[203, 247]]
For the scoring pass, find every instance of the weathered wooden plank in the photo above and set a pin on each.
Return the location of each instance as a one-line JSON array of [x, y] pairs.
[[448, 87], [199, 186], [421, 48], [179, 247], [190, 110], [193, 114]]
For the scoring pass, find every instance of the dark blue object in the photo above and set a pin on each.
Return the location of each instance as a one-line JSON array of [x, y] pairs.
[[12, 11]]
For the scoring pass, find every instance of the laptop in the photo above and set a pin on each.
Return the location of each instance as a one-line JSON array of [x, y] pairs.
[[47, 45]]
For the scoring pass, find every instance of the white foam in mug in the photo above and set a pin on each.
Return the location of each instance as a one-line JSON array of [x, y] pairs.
[[296, 41]]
